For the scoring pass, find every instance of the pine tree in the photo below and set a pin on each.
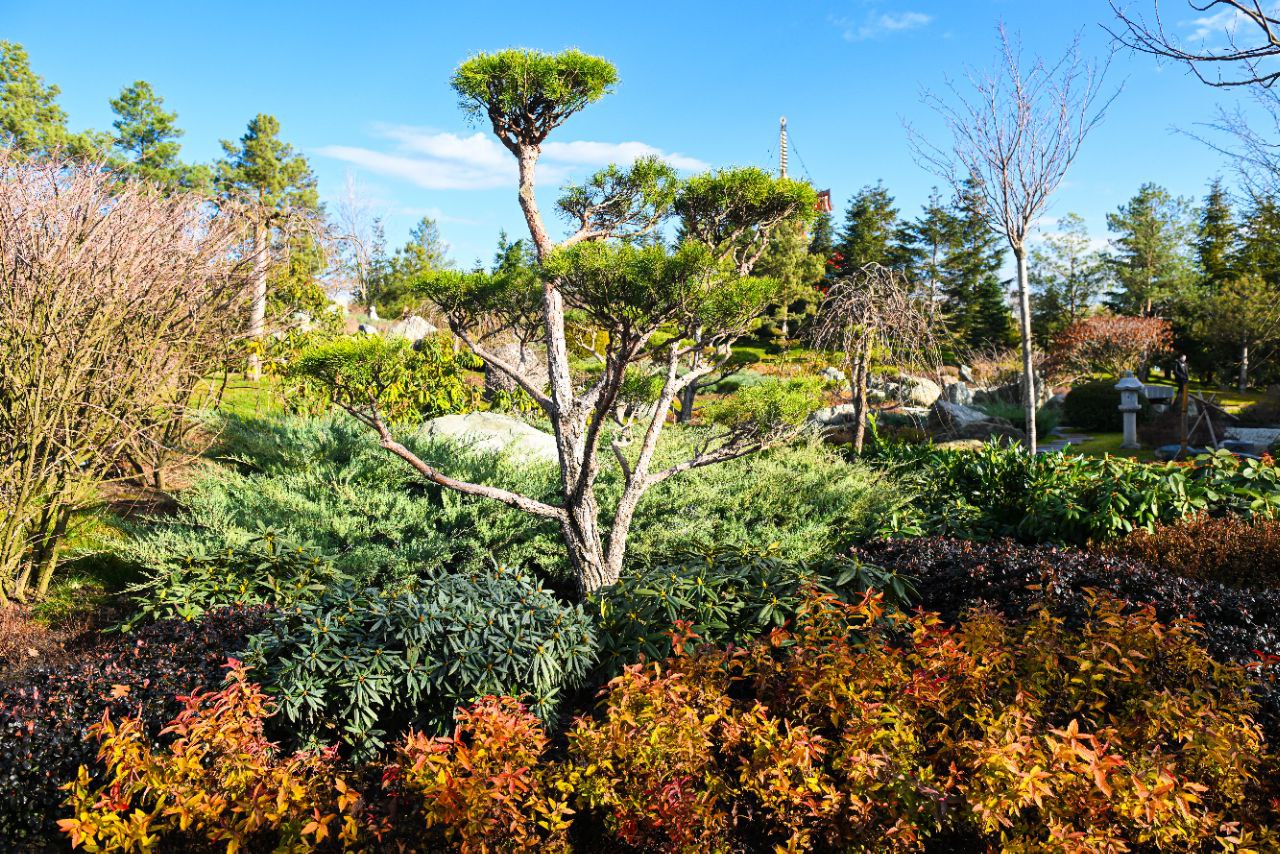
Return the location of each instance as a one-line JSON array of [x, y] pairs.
[[425, 252], [822, 236], [798, 270], [1150, 254], [268, 172], [145, 143], [1217, 240], [1259, 249], [870, 225], [31, 121], [925, 243], [976, 298]]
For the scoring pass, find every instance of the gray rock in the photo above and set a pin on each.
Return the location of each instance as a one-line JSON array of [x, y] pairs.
[[530, 360], [413, 328], [946, 416], [1011, 392], [834, 375], [918, 391], [490, 433], [833, 415], [958, 392], [951, 421]]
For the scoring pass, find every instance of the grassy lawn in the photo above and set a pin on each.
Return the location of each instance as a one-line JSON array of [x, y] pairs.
[[242, 396], [1102, 444], [1229, 399]]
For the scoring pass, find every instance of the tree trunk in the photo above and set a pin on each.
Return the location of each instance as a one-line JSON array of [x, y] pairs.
[[689, 394], [49, 554], [258, 318], [858, 378], [1242, 382], [1028, 366]]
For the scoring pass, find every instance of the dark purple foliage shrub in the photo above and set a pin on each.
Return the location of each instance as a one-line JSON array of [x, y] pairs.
[[954, 576], [46, 712]]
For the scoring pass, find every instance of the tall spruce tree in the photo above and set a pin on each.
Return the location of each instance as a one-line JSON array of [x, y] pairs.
[[789, 260], [1150, 255], [870, 228], [976, 296], [822, 236], [925, 243], [1217, 240], [262, 168], [1259, 249]]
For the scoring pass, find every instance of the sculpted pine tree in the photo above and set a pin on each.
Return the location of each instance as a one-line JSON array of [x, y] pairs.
[[659, 317]]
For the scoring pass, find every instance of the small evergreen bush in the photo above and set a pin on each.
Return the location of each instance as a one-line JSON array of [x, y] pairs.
[[361, 662], [1093, 405]]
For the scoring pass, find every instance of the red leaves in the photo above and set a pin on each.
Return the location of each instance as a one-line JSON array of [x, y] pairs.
[[1109, 344]]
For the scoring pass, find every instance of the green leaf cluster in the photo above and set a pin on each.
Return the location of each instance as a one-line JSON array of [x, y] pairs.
[[766, 406], [266, 570], [361, 662], [404, 381], [726, 595], [527, 93]]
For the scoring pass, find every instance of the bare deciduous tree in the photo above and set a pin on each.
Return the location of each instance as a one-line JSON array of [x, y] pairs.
[[1235, 63], [1249, 59], [874, 314], [114, 299], [1015, 131]]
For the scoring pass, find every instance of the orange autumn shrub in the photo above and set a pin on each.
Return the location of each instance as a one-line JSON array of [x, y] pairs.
[[219, 782], [851, 730], [488, 787], [857, 731], [1231, 550]]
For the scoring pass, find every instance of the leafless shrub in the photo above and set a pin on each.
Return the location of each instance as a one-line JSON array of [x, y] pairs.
[[874, 315], [115, 298]]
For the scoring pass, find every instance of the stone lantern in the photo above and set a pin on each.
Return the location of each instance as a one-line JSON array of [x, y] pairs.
[[1129, 386]]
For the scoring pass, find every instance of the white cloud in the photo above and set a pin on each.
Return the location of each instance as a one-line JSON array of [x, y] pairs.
[[603, 153], [437, 160], [876, 24], [1223, 24]]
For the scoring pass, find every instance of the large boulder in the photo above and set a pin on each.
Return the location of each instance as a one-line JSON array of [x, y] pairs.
[[958, 392], [918, 391], [529, 359], [835, 423], [951, 421], [413, 328], [490, 433], [1011, 392]]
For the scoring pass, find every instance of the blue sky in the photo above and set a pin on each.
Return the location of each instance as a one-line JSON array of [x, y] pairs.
[[363, 89]]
